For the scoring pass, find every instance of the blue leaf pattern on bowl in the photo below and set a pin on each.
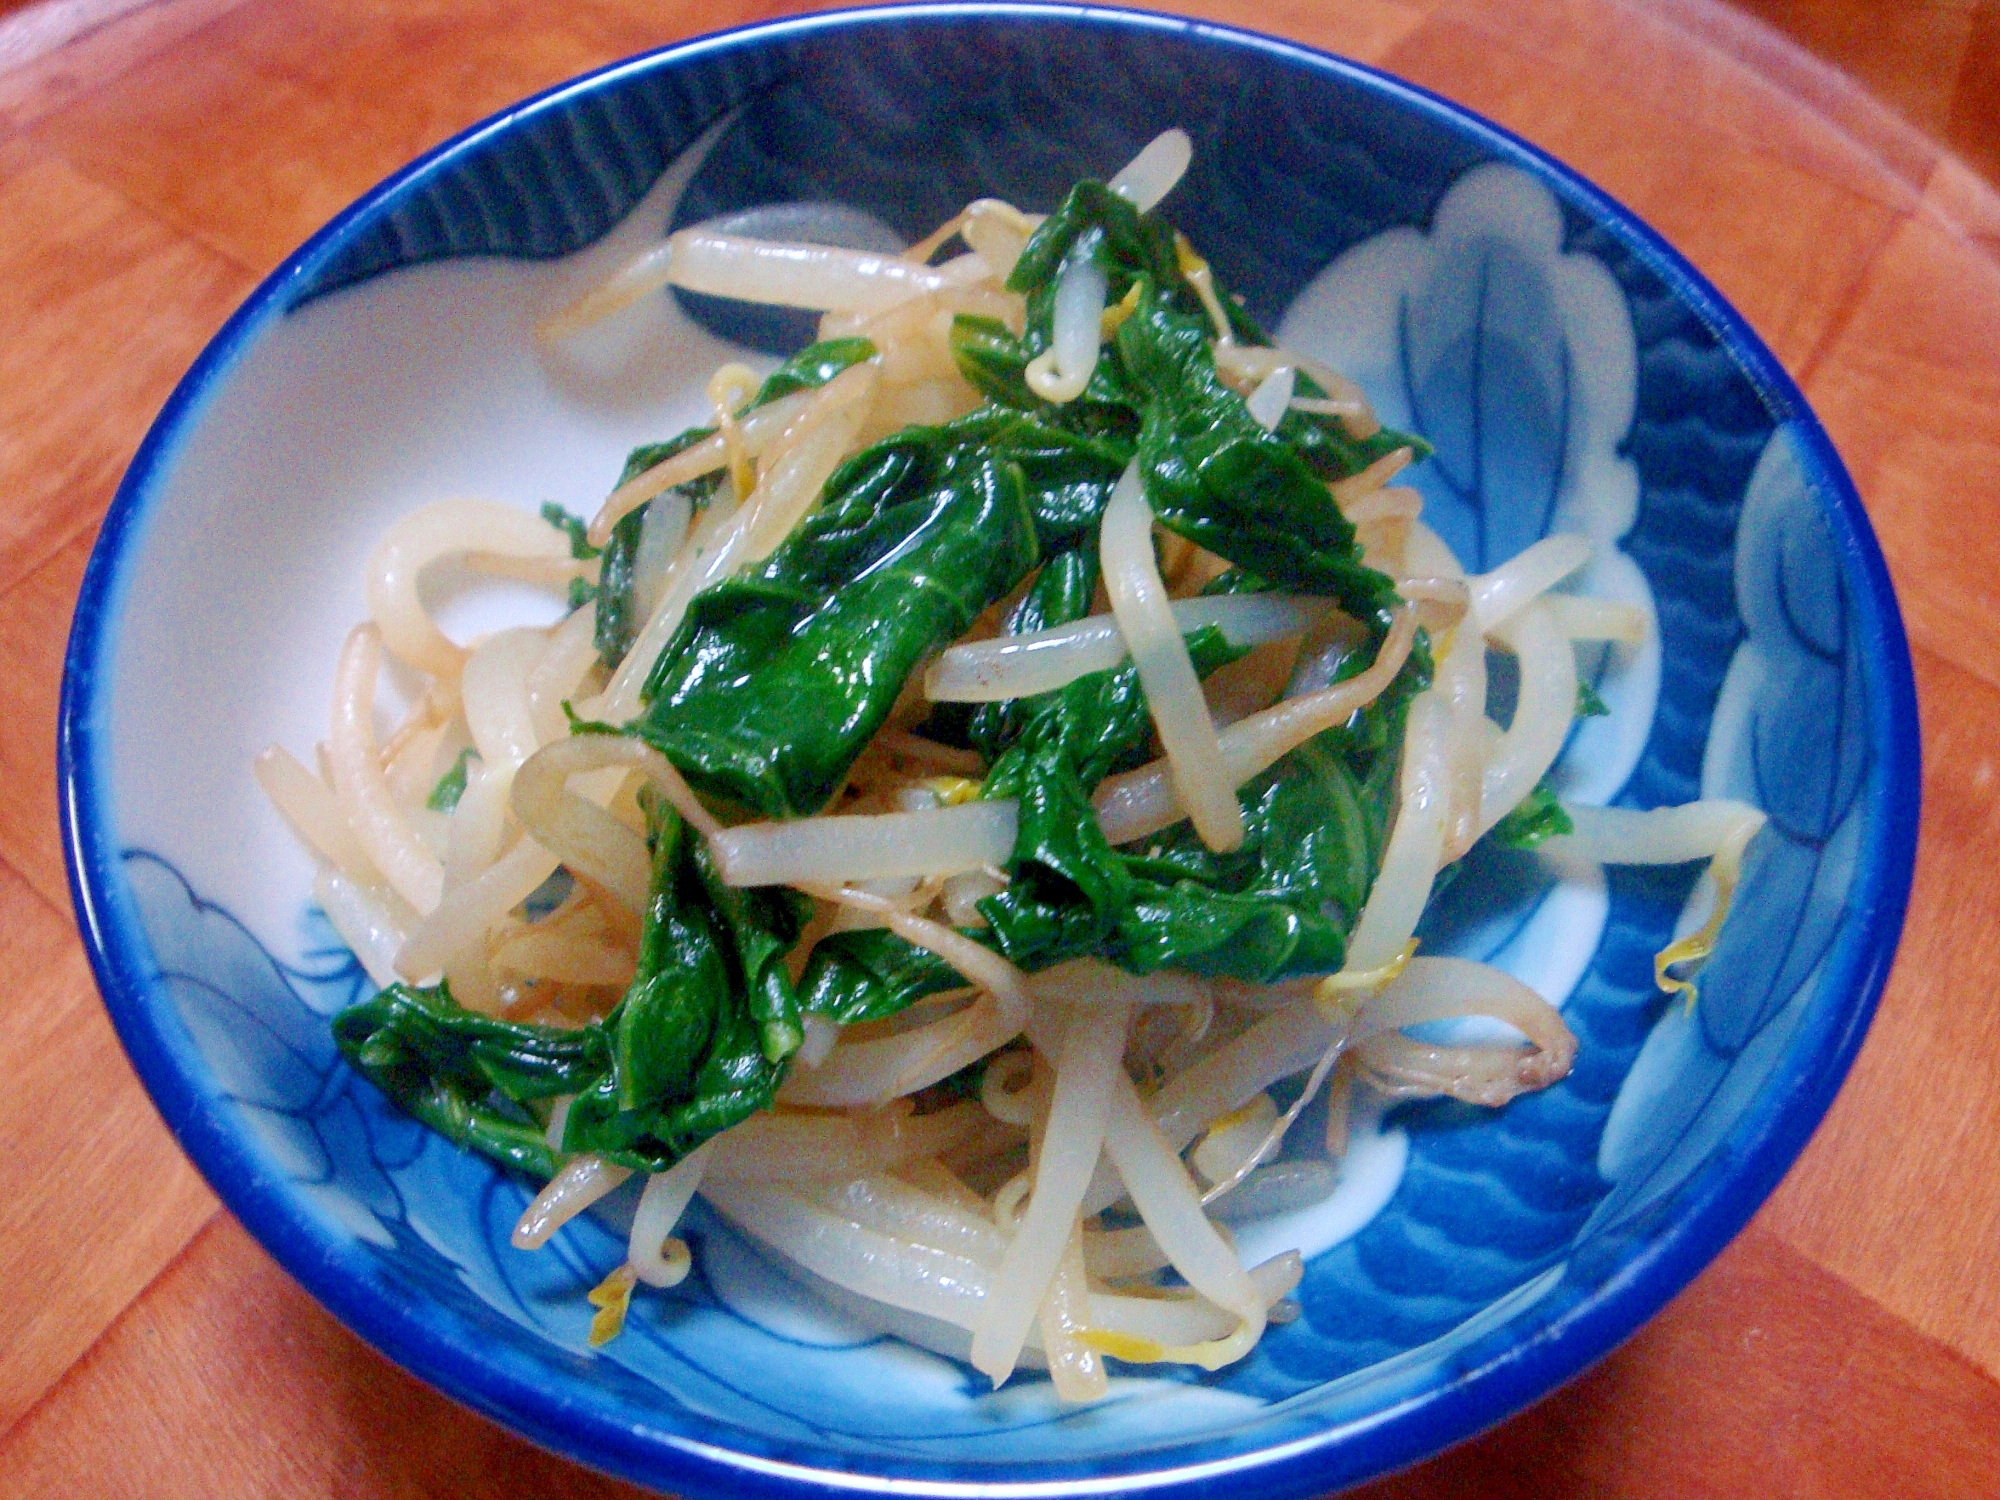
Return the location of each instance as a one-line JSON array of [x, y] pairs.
[[1789, 737]]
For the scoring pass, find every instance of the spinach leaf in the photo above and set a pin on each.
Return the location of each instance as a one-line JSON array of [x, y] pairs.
[[1139, 254], [451, 786], [617, 615], [1060, 595], [618, 619], [1067, 886], [1283, 903], [571, 526], [811, 367], [993, 361], [762, 925], [617, 608], [700, 1041], [447, 1066], [668, 1016], [870, 973], [1097, 224], [1316, 825], [1327, 447], [1216, 477], [1066, 475], [1590, 703], [1213, 474], [779, 677], [1538, 816]]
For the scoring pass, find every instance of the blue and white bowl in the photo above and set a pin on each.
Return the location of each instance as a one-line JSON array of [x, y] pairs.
[[1575, 374]]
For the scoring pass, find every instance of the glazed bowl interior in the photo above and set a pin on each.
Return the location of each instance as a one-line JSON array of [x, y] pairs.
[[1574, 374]]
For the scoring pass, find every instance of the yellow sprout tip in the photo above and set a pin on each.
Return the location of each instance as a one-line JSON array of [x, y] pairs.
[[1696, 946], [1189, 259], [1126, 1346], [1691, 949], [952, 791], [612, 1297], [1341, 993], [1112, 318]]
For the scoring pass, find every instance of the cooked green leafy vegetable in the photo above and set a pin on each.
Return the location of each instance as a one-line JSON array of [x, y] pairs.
[[879, 772], [697, 1045], [778, 678], [451, 786], [1282, 904], [700, 1039], [572, 526], [1537, 817], [466, 1075], [781, 676], [617, 621]]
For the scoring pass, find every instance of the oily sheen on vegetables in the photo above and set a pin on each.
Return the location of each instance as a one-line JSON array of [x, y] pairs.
[[1010, 740]]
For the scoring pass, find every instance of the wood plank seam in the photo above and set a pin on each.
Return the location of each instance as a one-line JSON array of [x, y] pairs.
[[32, 87], [1827, 91], [77, 506], [83, 1357], [26, 830], [1984, 239], [187, 232], [20, 575], [63, 912], [1837, 325], [1937, 1346]]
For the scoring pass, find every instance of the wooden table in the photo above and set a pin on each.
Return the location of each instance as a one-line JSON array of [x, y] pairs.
[[156, 159]]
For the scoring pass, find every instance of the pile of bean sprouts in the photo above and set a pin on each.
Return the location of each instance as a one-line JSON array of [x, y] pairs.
[[977, 1227]]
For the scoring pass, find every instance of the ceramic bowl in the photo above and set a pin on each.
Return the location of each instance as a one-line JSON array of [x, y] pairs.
[[1575, 374]]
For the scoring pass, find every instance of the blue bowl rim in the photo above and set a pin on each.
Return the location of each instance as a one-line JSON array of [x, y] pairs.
[[1715, 1204]]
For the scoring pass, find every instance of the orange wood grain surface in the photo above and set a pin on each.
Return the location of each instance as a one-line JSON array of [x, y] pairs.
[[157, 158]]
